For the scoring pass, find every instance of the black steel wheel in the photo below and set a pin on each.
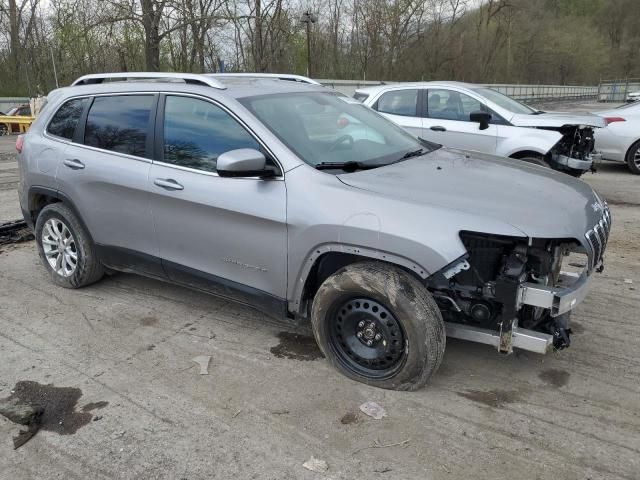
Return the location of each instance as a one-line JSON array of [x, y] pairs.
[[378, 324], [366, 337]]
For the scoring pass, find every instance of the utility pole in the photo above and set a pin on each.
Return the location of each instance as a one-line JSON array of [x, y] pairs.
[[308, 17], [55, 70]]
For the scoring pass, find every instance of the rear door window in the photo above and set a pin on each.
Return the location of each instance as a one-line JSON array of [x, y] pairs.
[[64, 122], [120, 124], [399, 102]]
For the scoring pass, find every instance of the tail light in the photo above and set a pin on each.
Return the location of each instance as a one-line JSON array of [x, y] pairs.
[[20, 143], [611, 120]]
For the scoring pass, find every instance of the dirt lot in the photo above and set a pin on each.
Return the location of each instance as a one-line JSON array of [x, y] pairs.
[[135, 406]]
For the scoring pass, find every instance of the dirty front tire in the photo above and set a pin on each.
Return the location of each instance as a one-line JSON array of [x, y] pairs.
[[65, 248], [382, 304], [633, 158]]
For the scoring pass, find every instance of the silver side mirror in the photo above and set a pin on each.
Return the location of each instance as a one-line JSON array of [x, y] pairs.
[[243, 162]]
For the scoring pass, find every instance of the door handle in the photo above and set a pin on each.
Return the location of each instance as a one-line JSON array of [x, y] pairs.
[[74, 163], [168, 183], [438, 128]]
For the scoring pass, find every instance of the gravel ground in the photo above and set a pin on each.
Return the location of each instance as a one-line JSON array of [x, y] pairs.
[[114, 361]]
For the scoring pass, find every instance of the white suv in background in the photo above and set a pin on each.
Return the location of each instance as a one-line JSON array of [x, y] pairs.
[[473, 117]]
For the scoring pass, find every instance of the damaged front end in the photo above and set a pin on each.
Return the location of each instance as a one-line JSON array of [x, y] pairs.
[[517, 293], [574, 152]]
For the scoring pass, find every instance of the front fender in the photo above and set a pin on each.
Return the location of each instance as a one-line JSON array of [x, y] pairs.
[[526, 139]]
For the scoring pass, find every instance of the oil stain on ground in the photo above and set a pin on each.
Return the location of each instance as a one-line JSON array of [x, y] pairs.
[[492, 398], [148, 321], [349, 418], [94, 406], [555, 377], [296, 347], [58, 407]]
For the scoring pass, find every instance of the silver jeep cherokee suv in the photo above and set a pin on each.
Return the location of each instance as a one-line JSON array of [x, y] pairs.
[[308, 205]]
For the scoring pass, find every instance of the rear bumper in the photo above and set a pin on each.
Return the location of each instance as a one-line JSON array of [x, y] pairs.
[[560, 299]]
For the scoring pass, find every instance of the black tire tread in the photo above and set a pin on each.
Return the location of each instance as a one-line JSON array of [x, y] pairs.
[[388, 281]]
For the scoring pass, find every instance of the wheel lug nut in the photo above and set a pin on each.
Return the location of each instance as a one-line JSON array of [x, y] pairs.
[[361, 324], [359, 334], [369, 342], [378, 336], [372, 326]]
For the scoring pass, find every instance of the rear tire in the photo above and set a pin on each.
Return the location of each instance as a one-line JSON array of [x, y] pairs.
[[382, 304], [65, 248], [633, 158]]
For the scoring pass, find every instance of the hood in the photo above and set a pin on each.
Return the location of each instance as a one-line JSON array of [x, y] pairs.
[[538, 201], [626, 112], [557, 119]]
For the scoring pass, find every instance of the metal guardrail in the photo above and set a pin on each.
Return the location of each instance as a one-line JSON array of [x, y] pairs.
[[528, 93], [617, 90], [23, 124], [525, 93]]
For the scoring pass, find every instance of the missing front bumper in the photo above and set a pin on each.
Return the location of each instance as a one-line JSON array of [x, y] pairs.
[[559, 300], [520, 337]]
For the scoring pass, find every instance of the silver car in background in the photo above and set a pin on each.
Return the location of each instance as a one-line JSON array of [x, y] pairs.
[[620, 140], [477, 118], [313, 209]]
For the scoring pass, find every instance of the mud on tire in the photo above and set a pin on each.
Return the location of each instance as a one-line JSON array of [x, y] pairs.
[[399, 307], [87, 268]]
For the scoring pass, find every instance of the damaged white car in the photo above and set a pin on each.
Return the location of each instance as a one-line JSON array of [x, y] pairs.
[[477, 118]]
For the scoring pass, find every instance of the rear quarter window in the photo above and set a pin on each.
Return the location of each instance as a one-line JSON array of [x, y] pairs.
[[361, 97], [66, 119], [399, 102]]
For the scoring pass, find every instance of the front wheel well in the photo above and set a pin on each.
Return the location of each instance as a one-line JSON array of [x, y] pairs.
[[526, 153], [326, 265]]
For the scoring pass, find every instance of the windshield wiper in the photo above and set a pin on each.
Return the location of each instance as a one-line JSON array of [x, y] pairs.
[[350, 166], [414, 153]]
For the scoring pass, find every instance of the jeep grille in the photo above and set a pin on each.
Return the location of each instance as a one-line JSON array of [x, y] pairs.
[[597, 238]]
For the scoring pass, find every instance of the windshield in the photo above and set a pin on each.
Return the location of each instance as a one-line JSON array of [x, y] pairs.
[[503, 101], [324, 128]]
